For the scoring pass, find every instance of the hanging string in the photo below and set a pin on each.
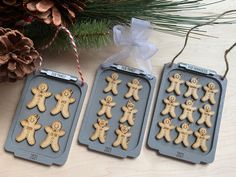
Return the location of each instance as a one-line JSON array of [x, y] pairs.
[[226, 59], [73, 44], [200, 25]]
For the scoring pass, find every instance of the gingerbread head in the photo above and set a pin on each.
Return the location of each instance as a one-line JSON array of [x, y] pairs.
[[33, 119], [211, 86], [43, 87], [185, 126], [177, 76], [114, 76], [124, 129], [56, 126], [172, 98], [167, 121], [202, 131], [135, 81], [130, 105], [67, 92], [207, 108], [102, 122], [189, 102], [194, 80], [109, 99]]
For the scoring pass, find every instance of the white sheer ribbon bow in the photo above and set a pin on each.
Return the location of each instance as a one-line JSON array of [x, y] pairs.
[[134, 43]]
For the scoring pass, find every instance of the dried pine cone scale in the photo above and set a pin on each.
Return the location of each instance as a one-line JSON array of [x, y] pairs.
[[56, 12], [17, 55]]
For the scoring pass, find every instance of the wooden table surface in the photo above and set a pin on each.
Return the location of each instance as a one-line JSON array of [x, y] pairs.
[[207, 52]]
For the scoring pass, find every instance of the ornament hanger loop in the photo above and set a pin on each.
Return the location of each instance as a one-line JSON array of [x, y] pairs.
[[204, 24]]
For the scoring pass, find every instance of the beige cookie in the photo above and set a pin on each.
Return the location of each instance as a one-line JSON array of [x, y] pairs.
[[123, 136], [134, 88], [40, 95], [201, 140], [100, 130], [183, 135], [54, 132], [210, 91], [107, 104], [206, 115], [129, 112], [188, 110], [113, 83], [171, 104], [175, 82], [166, 127], [63, 101], [193, 87], [29, 125]]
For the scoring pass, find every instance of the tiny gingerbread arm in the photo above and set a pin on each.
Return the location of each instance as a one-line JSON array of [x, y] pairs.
[[179, 129], [215, 91], [103, 102], [188, 83], [135, 111], [197, 134], [129, 84], [48, 94], [190, 132], [201, 110], [172, 127], [96, 125], [205, 88], [72, 100], [34, 90], [183, 106], [58, 97], [48, 129], [23, 123], [128, 135], [106, 128], [62, 133], [113, 104], [109, 79], [176, 104], [161, 124], [140, 87], [118, 131], [171, 79], [124, 108], [207, 137], [166, 101], [37, 126], [119, 81]]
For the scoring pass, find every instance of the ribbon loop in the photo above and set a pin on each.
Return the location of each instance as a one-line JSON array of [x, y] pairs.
[[134, 43]]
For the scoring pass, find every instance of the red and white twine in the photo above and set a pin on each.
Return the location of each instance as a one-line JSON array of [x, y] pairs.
[[74, 46]]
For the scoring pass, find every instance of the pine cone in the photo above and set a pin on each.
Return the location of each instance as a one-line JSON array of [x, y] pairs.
[[55, 12], [11, 11], [17, 55]]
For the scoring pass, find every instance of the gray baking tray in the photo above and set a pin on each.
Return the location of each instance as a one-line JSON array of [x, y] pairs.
[[126, 74], [179, 151], [57, 82]]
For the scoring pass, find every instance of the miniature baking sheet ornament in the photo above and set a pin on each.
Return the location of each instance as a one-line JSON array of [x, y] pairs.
[[47, 114], [116, 116], [188, 110]]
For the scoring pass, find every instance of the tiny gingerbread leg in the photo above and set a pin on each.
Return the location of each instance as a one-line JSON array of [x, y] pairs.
[[167, 137], [55, 111], [196, 145], [45, 143], [55, 146], [102, 139], [200, 121], [21, 137], [161, 134], [203, 147], [123, 119], [65, 112], [94, 136], [178, 139], [124, 145], [116, 143], [32, 104]]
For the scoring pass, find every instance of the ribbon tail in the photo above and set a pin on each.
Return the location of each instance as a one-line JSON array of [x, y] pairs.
[[125, 53]]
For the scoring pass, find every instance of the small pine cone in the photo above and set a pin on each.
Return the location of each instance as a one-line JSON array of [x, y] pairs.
[[11, 11], [17, 55], [55, 12]]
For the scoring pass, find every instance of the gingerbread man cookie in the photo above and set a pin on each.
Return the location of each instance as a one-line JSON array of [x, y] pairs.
[[63, 101], [166, 127], [210, 91], [29, 125], [134, 88], [129, 112], [206, 115], [40, 95], [100, 132], [202, 137], [54, 132], [107, 104], [171, 103], [175, 83], [188, 110], [113, 82], [123, 136], [184, 133], [193, 87]]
